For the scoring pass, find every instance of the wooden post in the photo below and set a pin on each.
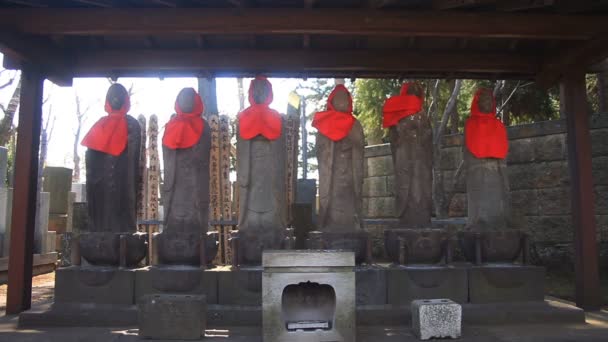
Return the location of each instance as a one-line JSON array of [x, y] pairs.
[[19, 296], [573, 105]]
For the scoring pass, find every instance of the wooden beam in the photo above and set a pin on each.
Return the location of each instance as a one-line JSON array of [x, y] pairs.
[[573, 105], [519, 5], [580, 57], [25, 194], [148, 21], [450, 4], [99, 63]]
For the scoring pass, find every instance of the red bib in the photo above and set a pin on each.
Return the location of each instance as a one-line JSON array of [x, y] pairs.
[[259, 118], [485, 135], [334, 124], [109, 134], [185, 129], [401, 106]]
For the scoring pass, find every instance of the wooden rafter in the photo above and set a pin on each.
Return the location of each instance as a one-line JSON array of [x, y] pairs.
[[450, 4], [519, 5], [148, 21]]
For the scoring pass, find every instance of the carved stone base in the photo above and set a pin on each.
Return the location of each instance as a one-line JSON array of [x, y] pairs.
[[416, 246], [493, 246], [356, 241], [506, 283], [406, 283], [184, 248], [97, 285], [103, 249], [176, 280], [371, 285], [241, 286]]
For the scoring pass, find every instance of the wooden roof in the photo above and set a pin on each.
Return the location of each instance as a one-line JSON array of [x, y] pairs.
[[494, 39]]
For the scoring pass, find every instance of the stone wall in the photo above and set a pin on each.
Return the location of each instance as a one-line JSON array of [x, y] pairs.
[[538, 175]]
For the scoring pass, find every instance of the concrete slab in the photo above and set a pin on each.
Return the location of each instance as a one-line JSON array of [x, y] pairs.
[[436, 318], [97, 285], [172, 317], [506, 283], [407, 283], [176, 280]]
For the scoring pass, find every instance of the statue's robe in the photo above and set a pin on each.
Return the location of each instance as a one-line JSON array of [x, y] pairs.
[[341, 181], [112, 183]]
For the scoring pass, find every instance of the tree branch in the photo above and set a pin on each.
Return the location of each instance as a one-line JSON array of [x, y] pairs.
[[446, 113]]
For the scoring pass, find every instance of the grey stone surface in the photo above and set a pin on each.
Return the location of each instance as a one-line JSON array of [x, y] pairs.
[[407, 283], [58, 182], [375, 187], [240, 287], [176, 280], [42, 223], [172, 317], [97, 285], [379, 166], [371, 285], [308, 295], [506, 283], [80, 189], [376, 207], [80, 217], [65, 258], [436, 318], [6, 207], [3, 166]]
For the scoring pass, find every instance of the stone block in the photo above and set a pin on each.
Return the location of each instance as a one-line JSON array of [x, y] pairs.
[[391, 185], [436, 318], [6, 208], [172, 317], [506, 283], [3, 166], [377, 150], [58, 223], [451, 140], [458, 205], [554, 201], [521, 151], [58, 182], [176, 280], [450, 158], [524, 202], [550, 228], [550, 147], [66, 249], [600, 170], [70, 213], [407, 283], [599, 145], [371, 285], [380, 207], [379, 166], [601, 200], [51, 242], [97, 285], [538, 175], [240, 287], [375, 187]]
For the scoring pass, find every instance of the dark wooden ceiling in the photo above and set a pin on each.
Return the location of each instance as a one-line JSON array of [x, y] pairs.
[[494, 39]]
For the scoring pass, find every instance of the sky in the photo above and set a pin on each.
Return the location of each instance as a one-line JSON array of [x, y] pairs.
[[151, 96]]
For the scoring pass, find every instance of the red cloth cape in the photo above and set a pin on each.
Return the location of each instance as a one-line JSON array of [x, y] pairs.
[[259, 118], [485, 135], [401, 106], [185, 129], [109, 134], [332, 123]]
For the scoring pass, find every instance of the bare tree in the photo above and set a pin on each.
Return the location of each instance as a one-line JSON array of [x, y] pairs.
[[80, 118], [239, 84], [6, 124]]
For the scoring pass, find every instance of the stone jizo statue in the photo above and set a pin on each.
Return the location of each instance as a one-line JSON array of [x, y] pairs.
[[261, 175]]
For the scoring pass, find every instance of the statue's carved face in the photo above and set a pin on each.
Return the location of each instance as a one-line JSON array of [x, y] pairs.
[[116, 96], [486, 101], [341, 100], [185, 100], [261, 90], [415, 89]]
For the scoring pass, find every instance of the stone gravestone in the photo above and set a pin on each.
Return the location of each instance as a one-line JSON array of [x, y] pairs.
[[4, 198], [80, 189], [41, 235], [58, 182]]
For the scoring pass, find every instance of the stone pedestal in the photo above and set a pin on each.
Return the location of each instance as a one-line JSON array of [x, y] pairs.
[[242, 286], [371, 285], [6, 208], [42, 223], [184, 280], [80, 189], [506, 283], [80, 217], [96, 285], [172, 317], [407, 283]]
